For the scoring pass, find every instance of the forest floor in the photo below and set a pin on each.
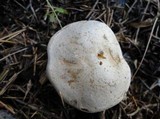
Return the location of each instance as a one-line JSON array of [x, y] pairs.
[[26, 27]]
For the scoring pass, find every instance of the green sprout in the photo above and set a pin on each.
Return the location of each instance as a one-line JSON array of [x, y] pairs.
[[53, 13]]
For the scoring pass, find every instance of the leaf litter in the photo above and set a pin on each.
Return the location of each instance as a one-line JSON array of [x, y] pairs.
[[25, 30]]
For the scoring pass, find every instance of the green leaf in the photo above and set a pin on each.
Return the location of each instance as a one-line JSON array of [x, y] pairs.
[[52, 18], [61, 10]]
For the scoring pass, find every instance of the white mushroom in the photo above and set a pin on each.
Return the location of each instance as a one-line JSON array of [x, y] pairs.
[[86, 66]]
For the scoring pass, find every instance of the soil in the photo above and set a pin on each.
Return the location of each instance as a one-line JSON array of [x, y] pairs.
[[26, 27]]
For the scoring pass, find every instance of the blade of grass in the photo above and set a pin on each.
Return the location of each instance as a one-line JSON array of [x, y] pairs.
[[53, 10]]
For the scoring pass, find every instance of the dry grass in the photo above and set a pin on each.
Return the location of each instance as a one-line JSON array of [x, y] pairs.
[[25, 30]]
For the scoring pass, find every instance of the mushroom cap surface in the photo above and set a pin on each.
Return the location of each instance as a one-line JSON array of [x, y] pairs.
[[86, 66]]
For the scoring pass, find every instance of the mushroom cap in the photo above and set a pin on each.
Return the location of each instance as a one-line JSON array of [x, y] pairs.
[[86, 66]]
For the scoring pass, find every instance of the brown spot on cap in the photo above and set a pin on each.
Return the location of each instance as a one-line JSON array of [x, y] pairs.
[[68, 62], [100, 55], [71, 81], [73, 75], [100, 63]]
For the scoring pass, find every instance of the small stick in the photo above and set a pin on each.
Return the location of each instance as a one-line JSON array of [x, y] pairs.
[[92, 9], [150, 37], [102, 115]]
